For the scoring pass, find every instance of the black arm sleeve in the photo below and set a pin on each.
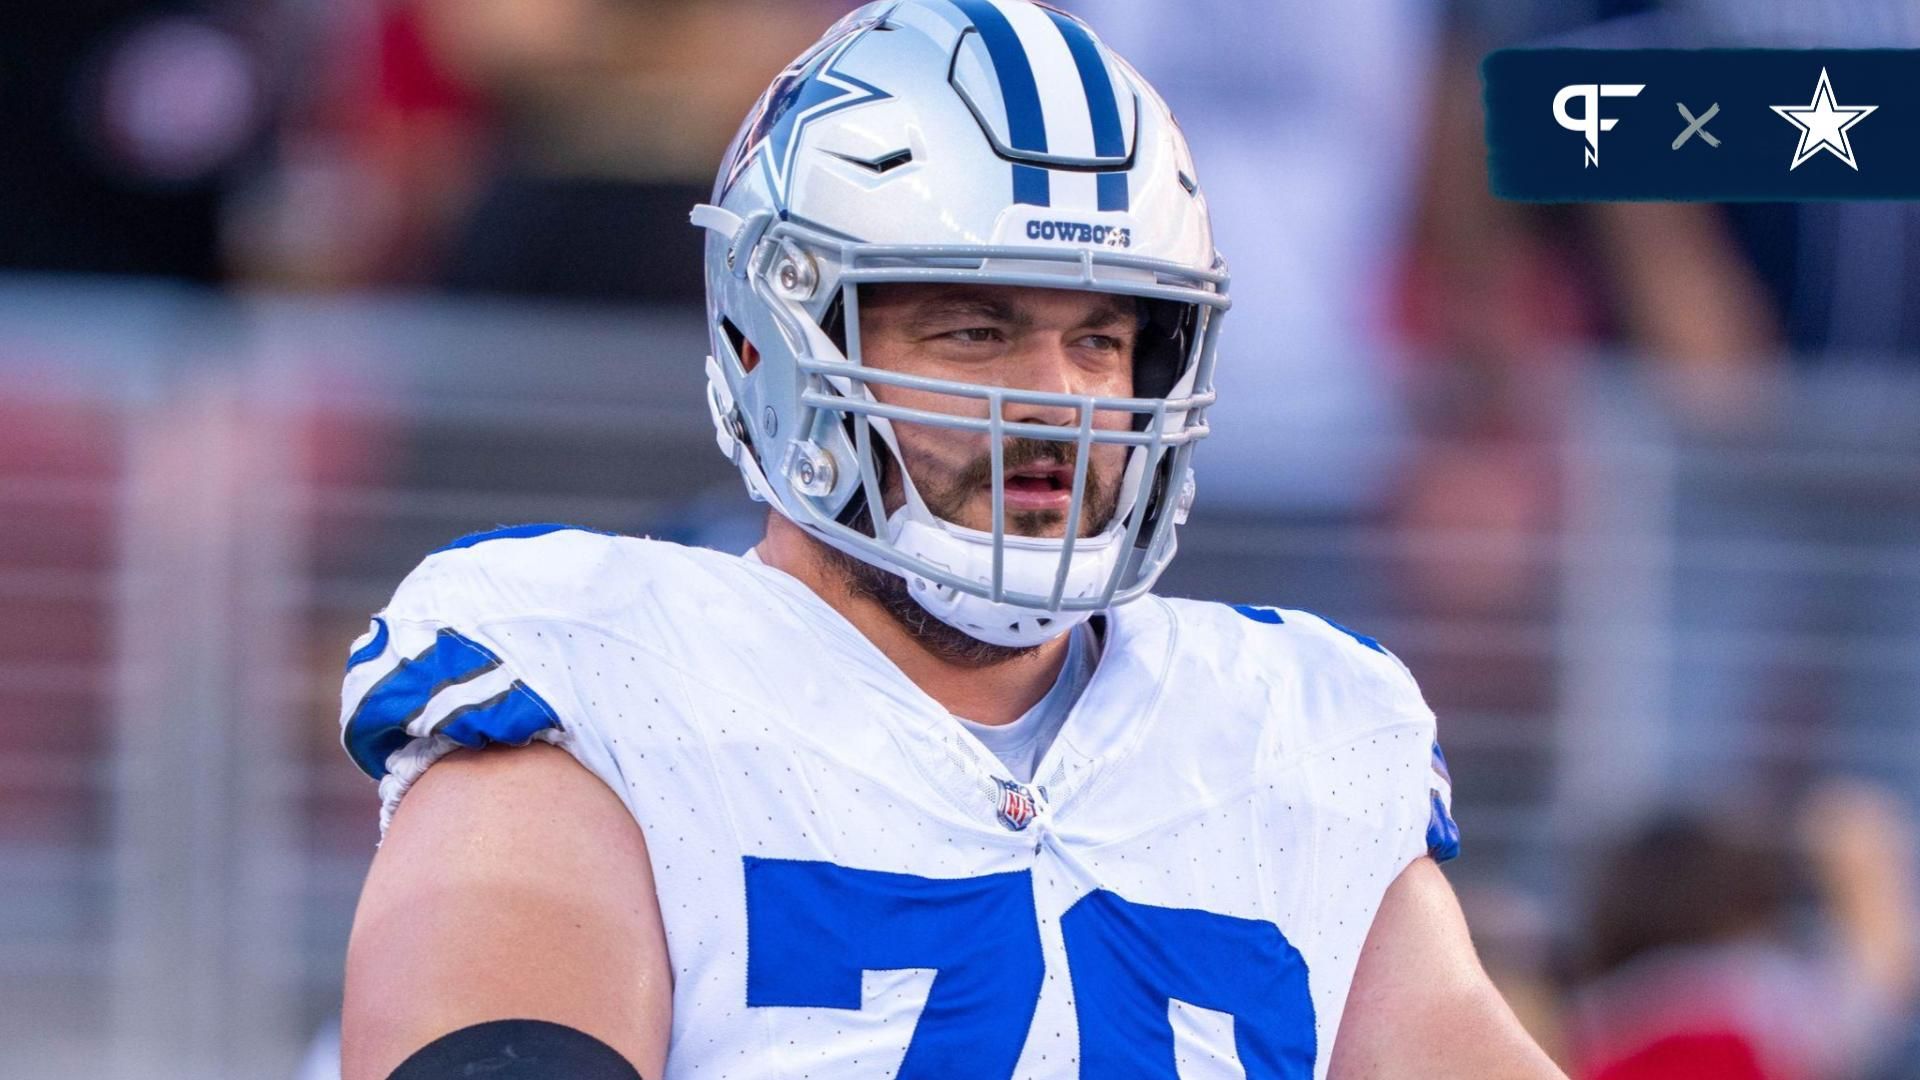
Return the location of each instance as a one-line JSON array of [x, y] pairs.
[[516, 1050]]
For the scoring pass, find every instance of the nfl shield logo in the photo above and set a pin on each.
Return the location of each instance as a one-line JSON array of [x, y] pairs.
[[1016, 805]]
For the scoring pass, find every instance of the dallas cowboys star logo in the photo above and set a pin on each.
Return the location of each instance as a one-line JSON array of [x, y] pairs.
[[1823, 125], [805, 92]]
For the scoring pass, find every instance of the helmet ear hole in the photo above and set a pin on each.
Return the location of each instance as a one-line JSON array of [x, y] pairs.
[[744, 349]]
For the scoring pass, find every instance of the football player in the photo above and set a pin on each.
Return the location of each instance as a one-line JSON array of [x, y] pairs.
[[928, 784]]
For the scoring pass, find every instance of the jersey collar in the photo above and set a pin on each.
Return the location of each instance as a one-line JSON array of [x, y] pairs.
[[1103, 727]]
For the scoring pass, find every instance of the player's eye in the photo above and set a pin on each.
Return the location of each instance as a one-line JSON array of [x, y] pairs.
[[1103, 342], [974, 334]]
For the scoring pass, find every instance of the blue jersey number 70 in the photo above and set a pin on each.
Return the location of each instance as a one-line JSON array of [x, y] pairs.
[[813, 928]]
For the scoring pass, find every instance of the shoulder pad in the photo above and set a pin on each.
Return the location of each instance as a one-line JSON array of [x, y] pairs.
[[1338, 677], [524, 569]]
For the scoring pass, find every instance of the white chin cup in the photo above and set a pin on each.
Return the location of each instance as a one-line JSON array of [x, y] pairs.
[[1028, 566]]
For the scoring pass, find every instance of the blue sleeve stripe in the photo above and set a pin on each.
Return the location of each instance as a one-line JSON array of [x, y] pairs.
[[1440, 764], [513, 532], [1443, 836], [513, 716], [1109, 140], [378, 725], [372, 648]]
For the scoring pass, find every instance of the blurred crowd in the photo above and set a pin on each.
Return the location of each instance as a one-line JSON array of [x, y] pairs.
[[549, 150], [533, 147]]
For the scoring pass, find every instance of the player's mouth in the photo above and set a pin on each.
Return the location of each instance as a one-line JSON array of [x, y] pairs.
[[1040, 487]]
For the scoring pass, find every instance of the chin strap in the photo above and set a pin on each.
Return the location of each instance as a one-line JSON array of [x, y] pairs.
[[1028, 566]]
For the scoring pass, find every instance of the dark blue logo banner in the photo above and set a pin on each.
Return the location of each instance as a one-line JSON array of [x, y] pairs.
[[1587, 125]]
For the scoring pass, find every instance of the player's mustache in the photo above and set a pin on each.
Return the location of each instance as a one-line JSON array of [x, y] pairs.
[[1018, 453]]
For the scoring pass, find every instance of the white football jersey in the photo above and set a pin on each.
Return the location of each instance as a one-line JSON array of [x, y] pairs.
[[853, 887]]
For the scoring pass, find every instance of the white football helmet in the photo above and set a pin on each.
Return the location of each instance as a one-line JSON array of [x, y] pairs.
[[982, 141]]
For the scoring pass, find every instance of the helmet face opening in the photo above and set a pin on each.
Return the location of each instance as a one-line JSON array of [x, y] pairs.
[[844, 404], [829, 439]]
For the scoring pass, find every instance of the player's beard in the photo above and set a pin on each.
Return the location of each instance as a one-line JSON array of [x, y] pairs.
[[890, 591]]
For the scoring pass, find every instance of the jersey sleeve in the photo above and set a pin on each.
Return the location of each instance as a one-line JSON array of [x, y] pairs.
[[1385, 758], [468, 653], [1420, 795]]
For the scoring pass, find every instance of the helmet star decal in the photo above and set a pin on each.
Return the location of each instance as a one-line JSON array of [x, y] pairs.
[[807, 91]]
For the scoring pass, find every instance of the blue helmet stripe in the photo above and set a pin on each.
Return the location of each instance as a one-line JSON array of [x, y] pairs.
[[1026, 124], [1031, 186], [1109, 140]]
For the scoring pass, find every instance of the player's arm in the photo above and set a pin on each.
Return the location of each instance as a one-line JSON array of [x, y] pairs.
[[512, 885], [1421, 1005]]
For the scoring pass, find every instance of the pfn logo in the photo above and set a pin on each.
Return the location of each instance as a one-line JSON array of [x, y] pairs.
[[1589, 122]]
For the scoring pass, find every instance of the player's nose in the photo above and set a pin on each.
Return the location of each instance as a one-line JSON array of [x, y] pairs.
[[1043, 368]]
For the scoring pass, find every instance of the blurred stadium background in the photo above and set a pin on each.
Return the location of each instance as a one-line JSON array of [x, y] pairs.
[[294, 291]]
